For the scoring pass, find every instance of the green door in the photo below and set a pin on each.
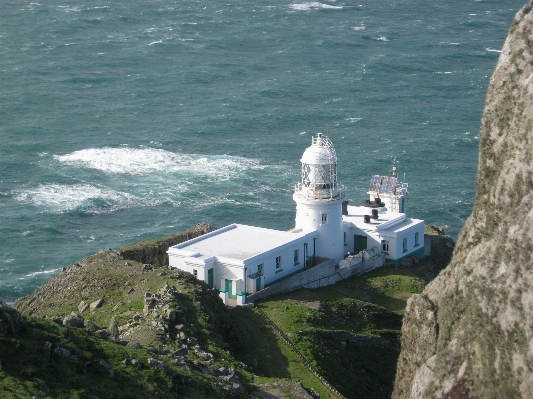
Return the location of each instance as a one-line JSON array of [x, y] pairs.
[[210, 277], [229, 287], [258, 284], [359, 243]]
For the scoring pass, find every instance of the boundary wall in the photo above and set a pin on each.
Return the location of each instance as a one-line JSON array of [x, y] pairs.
[[320, 275], [300, 356]]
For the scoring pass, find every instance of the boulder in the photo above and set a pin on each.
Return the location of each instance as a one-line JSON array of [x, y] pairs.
[[11, 322], [73, 320], [113, 329], [90, 326], [183, 351], [157, 363], [118, 305], [107, 367], [96, 304], [103, 333], [82, 306], [61, 352]]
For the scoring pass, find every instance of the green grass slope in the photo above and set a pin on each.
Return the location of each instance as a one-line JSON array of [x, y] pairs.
[[349, 332]]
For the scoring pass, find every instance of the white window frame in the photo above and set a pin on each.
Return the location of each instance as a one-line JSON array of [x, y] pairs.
[[417, 243], [195, 272], [296, 257], [278, 262], [404, 244], [324, 218], [385, 245]]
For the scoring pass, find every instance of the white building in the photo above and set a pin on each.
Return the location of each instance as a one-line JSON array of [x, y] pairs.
[[239, 260]]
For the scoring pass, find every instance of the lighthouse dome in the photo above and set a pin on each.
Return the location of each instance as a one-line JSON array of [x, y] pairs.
[[321, 152], [319, 170]]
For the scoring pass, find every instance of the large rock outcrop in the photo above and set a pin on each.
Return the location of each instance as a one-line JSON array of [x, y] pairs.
[[470, 333], [155, 252]]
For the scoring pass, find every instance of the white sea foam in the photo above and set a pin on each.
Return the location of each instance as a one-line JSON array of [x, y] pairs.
[[353, 119], [313, 5], [143, 161], [383, 39], [362, 27], [57, 198], [493, 50], [41, 272]]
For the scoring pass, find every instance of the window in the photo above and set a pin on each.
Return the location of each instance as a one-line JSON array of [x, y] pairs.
[[405, 244], [324, 218], [195, 272], [416, 240], [296, 257], [260, 269], [385, 246], [344, 238], [278, 262]]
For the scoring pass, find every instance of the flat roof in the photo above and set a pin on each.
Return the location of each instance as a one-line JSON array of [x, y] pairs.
[[237, 241], [356, 217]]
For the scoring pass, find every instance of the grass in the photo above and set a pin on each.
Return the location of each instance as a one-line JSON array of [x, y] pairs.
[[316, 321], [349, 332], [274, 360], [25, 371]]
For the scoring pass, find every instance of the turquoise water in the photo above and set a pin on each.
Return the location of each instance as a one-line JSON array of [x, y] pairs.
[[123, 121]]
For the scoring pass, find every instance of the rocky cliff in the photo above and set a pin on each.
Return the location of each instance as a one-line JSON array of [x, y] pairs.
[[470, 333]]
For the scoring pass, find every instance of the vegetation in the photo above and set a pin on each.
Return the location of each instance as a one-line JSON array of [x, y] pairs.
[[349, 332], [26, 370]]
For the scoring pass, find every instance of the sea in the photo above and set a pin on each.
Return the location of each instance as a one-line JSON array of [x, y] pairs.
[[122, 121]]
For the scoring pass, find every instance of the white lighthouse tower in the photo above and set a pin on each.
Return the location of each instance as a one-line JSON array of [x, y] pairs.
[[319, 199]]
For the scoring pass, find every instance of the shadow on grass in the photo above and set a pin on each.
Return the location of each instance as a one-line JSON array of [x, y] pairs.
[[260, 349], [323, 324]]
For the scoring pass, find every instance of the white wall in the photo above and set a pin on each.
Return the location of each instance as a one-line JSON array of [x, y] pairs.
[[330, 238], [234, 269], [396, 241], [287, 266]]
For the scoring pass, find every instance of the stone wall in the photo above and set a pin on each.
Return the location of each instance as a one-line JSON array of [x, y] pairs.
[[318, 276], [307, 276], [155, 253], [427, 245]]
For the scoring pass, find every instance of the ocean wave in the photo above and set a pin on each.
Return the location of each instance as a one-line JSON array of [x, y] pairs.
[[143, 161], [40, 272], [490, 49], [313, 5], [59, 198]]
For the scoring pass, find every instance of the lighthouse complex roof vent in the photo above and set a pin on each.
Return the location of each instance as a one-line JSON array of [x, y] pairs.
[[319, 170]]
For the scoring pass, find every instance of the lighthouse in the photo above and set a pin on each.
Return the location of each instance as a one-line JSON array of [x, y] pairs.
[[319, 199]]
